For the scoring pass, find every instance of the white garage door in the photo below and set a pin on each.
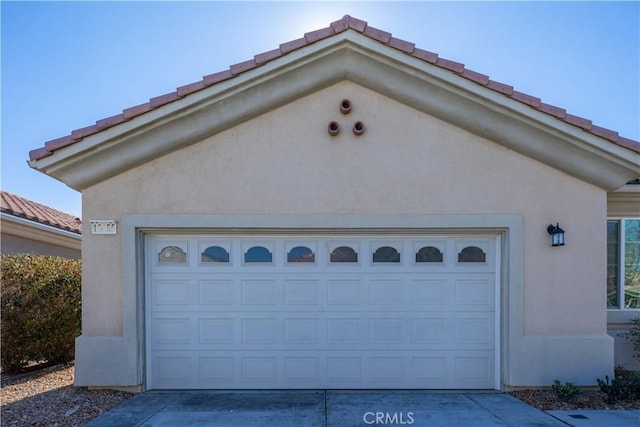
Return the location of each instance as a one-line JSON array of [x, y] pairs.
[[321, 312]]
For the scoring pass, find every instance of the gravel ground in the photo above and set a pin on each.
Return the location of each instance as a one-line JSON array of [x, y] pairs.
[[547, 400], [48, 398]]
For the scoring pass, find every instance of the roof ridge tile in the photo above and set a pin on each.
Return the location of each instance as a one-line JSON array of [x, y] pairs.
[[214, 78], [293, 45], [190, 88], [163, 99], [476, 77], [78, 134], [243, 66], [320, 34], [558, 112], [340, 25], [110, 121], [605, 133], [267, 56], [527, 99], [578, 121], [377, 34], [500, 87], [425, 55], [355, 23], [402, 45], [458, 67], [54, 144], [134, 111]]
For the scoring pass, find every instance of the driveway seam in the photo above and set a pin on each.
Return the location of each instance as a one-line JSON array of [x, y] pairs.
[[326, 411]]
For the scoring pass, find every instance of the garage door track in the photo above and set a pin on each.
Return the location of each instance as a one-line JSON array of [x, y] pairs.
[[323, 408]]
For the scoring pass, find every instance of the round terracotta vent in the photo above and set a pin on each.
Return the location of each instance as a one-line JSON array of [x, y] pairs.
[[345, 106], [358, 128], [333, 128]]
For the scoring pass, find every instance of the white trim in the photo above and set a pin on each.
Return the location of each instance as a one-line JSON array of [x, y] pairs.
[[498, 314], [510, 229], [27, 229], [621, 315], [40, 226]]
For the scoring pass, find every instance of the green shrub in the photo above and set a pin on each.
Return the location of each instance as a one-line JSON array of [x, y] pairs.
[[633, 335], [41, 309], [625, 385], [566, 391]]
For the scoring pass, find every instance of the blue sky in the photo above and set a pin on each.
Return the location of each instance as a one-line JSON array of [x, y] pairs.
[[67, 64]]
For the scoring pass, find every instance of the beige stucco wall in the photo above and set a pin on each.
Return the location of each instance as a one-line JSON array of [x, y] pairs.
[[18, 245], [406, 162]]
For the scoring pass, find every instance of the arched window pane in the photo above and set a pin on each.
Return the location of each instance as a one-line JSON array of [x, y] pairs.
[[258, 254], [429, 254], [344, 254], [471, 254], [386, 254], [172, 255], [215, 254], [301, 254]]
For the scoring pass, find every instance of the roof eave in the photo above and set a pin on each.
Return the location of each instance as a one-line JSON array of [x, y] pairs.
[[43, 233], [345, 56]]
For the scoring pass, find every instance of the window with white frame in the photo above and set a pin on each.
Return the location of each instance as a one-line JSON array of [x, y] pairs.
[[623, 263]]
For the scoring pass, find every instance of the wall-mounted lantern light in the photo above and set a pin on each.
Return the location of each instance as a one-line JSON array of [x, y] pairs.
[[557, 234]]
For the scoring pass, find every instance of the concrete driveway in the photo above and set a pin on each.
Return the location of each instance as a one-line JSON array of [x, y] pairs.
[[324, 408]]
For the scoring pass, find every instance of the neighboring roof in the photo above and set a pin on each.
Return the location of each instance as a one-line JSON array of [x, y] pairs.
[[27, 209], [346, 23]]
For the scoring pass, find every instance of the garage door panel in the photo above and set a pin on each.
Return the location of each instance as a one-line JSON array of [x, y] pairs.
[[171, 292], [344, 292], [386, 292], [171, 370], [432, 292], [472, 370], [258, 370], [215, 331], [302, 331], [259, 292], [301, 370], [477, 292], [218, 320], [302, 292], [474, 332], [309, 369], [219, 372], [216, 292]]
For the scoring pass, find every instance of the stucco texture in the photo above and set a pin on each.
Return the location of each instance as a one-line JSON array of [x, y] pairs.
[[406, 162]]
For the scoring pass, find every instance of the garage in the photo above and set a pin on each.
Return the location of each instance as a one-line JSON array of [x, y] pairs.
[[322, 310]]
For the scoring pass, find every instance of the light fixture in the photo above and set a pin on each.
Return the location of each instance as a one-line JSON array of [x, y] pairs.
[[557, 234]]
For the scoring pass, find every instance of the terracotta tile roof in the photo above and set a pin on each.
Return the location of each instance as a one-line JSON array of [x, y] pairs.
[[23, 208], [344, 24]]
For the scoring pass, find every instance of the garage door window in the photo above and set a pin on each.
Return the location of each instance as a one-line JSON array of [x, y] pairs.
[[472, 254], [344, 254], [215, 254], [429, 254], [258, 254], [301, 254], [386, 254], [172, 255]]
